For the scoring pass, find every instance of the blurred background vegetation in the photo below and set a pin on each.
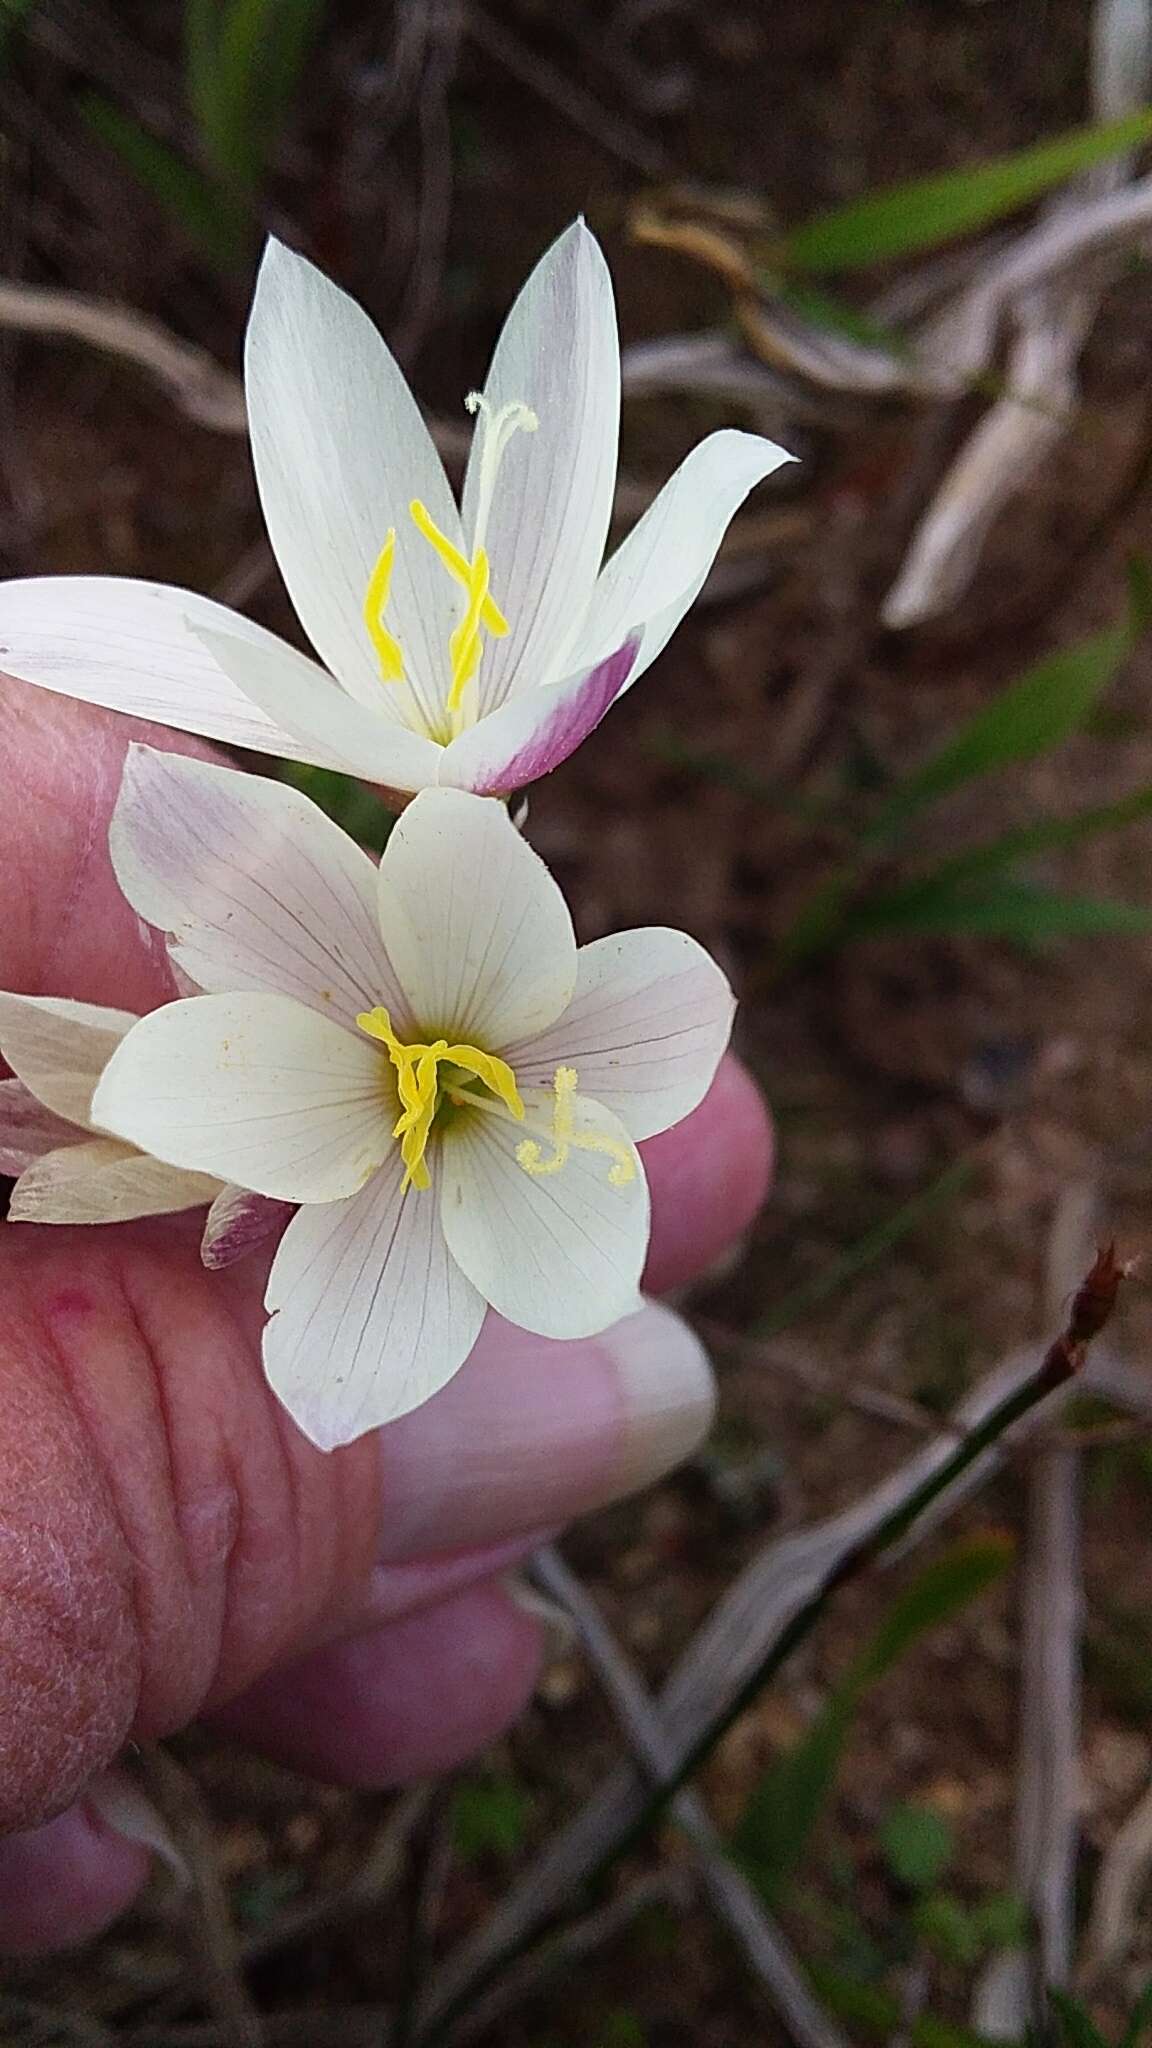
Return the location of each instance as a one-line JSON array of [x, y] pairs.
[[896, 773]]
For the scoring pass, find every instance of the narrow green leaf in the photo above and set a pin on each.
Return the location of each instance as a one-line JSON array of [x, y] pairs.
[[874, 1245], [926, 212], [489, 1817], [1045, 706], [206, 216], [1140, 2019], [877, 2013], [1047, 836], [918, 1845], [790, 1797], [244, 69], [1077, 2030], [352, 804], [1003, 910]]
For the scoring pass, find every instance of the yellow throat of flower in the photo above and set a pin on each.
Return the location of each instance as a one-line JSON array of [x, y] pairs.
[[481, 612], [421, 1087]]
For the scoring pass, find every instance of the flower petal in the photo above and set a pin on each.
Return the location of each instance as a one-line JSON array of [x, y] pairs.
[[645, 1030], [545, 535], [258, 888], [656, 573], [340, 451], [59, 1048], [332, 729], [370, 1315], [103, 1181], [534, 731], [28, 1130], [477, 931], [135, 647], [236, 1223], [255, 1089], [559, 1254]]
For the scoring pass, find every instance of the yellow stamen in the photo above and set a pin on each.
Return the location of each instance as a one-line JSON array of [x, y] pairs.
[[375, 603], [457, 566], [567, 1139], [418, 1086]]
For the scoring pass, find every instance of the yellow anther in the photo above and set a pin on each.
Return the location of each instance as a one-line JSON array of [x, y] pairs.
[[458, 566], [375, 604], [418, 1085], [566, 1139]]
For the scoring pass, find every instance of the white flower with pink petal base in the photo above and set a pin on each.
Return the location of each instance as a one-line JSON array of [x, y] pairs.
[[472, 648], [419, 1056], [68, 1171]]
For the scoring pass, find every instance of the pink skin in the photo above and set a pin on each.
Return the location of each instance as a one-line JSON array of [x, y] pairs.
[[169, 1543]]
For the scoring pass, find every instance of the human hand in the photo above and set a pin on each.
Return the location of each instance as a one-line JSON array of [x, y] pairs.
[[170, 1544]]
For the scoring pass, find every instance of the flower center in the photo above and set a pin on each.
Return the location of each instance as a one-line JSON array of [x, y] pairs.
[[481, 612], [419, 1083]]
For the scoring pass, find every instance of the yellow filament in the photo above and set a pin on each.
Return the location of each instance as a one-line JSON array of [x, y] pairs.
[[566, 1139], [375, 603], [464, 647], [418, 1086]]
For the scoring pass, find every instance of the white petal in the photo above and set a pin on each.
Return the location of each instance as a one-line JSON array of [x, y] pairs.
[[255, 1089], [258, 888], [332, 728], [545, 536], [533, 732], [560, 1254], [28, 1130], [104, 1181], [645, 1030], [60, 1048], [340, 451], [370, 1314], [655, 574], [237, 1223], [135, 647], [477, 931]]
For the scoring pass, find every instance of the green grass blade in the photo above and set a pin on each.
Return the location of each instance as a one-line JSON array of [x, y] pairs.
[[1050, 702], [1002, 910], [1140, 2019], [1076, 2029], [352, 804], [258, 57], [867, 1249], [925, 213], [1049, 835], [792, 1794], [196, 206]]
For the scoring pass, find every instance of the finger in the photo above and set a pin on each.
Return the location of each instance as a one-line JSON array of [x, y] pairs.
[[410, 1700], [709, 1175], [62, 1883]]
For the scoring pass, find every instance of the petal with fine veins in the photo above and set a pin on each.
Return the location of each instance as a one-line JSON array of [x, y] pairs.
[[645, 1030], [258, 888], [370, 1315], [134, 647], [340, 449], [545, 536], [104, 1181], [236, 1223], [656, 574], [332, 728], [59, 1048], [534, 731], [255, 1089], [559, 1254], [28, 1130], [476, 929]]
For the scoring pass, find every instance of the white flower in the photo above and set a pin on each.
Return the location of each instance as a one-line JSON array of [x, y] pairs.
[[420, 1056], [68, 1171], [472, 648]]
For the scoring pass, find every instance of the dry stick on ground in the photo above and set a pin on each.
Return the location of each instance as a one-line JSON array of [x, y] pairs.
[[1052, 322], [1119, 1888], [1010, 1996], [765, 1948], [768, 1610], [210, 1928]]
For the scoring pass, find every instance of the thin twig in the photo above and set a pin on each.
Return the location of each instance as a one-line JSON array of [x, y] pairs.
[[566, 96], [1120, 1886], [770, 1609], [210, 1925], [768, 1954]]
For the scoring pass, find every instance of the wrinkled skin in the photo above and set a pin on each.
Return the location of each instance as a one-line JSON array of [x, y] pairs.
[[170, 1544]]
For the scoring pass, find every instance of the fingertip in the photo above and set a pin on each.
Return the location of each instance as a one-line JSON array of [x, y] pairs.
[[65, 1882], [410, 1700], [709, 1176]]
